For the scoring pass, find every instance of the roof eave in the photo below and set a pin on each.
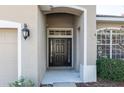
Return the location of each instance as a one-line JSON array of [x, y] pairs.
[[110, 19]]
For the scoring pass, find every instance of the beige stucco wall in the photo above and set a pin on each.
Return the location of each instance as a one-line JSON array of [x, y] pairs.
[[108, 24], [33, 49], [79, 41], [25, 14], [42, 48], [75, 43], [91, 38], [60, 20]]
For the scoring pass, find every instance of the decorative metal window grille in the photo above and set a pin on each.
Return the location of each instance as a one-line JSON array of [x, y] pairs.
[[110, 43]]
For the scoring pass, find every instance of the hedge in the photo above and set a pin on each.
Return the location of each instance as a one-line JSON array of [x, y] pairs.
[[110, 69]]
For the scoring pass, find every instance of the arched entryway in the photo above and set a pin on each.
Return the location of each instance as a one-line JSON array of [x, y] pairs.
[[66, 40]]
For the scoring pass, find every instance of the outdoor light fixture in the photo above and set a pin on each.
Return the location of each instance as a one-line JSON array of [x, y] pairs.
[[78, 28], [25, 32]]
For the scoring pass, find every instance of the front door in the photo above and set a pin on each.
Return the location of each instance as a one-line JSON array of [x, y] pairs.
[[60, 52]]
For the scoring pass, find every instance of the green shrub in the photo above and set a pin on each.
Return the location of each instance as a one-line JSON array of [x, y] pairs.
[[110, 69], [22, 83]]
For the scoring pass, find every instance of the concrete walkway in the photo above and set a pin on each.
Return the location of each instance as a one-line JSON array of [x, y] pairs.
[[59, 77]]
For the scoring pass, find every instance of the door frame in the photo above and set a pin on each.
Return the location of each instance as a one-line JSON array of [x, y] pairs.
[[60, 36]]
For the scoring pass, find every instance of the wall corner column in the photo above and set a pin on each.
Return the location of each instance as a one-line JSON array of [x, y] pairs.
[[87, 72]]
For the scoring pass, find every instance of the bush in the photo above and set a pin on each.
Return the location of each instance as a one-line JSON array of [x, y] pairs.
[[22, 83], [110, 69]]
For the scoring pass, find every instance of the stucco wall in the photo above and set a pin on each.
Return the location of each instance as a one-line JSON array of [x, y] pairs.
[[34, 47], [41, 45], [108, 24], [25, 14], [91, 38], [75, 43], [60, 20], [78, 47]]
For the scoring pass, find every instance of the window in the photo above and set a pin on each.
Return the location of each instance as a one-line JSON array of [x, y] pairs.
[[62, 32], [108, 43]]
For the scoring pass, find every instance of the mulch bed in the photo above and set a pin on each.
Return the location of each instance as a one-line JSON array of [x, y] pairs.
[[101, 83], [46, 85]]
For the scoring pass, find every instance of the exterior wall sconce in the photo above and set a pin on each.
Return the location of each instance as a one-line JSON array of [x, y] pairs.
[[25, 32], [78, 28]]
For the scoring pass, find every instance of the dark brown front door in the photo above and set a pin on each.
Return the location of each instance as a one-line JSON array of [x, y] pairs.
[[60, 50]]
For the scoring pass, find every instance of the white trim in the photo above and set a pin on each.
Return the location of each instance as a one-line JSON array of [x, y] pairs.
[[70, 6], [48, 9], [59, 28], [59, 36], [110, 43], [18, 26], [112, 19], [109, 28]]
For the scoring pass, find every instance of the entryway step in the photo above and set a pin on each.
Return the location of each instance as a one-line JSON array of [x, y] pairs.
[[64, 84]]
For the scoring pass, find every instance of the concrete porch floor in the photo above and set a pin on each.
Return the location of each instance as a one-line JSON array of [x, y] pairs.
[[61, 76]]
